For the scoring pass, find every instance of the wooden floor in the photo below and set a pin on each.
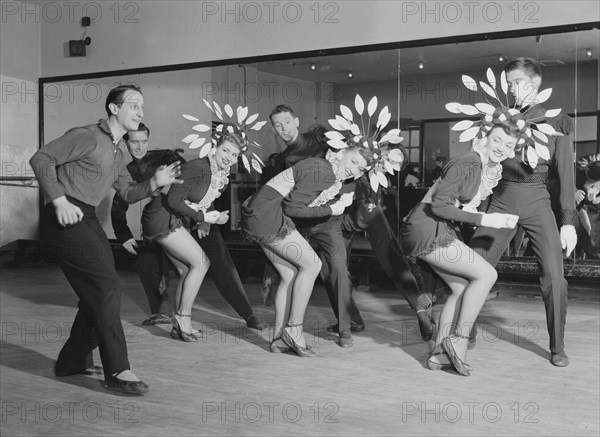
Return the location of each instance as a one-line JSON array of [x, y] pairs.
[[229, 384]]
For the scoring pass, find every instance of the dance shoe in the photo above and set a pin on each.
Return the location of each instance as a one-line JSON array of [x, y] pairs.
[[458, 364], [301, 351], [346, 339], [560, 359], [254, 323], [128, 387], [157, 319]]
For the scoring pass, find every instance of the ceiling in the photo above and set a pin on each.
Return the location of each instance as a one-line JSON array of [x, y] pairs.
[[553, 49]]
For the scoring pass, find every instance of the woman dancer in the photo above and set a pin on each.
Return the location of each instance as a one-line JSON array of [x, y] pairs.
[[171, 217], [302, 191], [429, 233]]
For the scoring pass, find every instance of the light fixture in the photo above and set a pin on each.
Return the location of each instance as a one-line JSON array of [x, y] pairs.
[[588, 52], [313, 66], [501, 58], [421, 66], [350, 75]]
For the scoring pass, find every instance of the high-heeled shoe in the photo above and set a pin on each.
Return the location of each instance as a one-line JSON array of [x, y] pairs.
[[458, 364], [278, 349], [287, 338], [426, 324], [181, 334], [436, 365], [197, 333]]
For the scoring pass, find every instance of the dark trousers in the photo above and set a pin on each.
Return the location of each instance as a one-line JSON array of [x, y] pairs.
[[332, 292], [531, 202], [389, 254], [85, 257], [152, 265], [223, 271], [326, 234]]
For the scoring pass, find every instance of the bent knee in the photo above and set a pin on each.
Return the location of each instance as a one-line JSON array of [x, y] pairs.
[[312, 266], [200, 265], [489, 274]]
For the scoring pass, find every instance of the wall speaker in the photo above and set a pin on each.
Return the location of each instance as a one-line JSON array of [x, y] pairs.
[[76, 48]]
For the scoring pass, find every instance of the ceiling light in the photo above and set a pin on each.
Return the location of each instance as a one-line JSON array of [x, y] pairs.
[[588, 52], [350, 75], [421, 66], [501, 58], [313, 66]]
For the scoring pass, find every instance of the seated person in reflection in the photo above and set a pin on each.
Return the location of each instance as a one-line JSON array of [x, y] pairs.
[[587, 183]]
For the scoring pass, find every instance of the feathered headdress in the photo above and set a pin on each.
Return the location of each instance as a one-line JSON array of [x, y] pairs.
[[240, 125], [348, 133], [533, 135]]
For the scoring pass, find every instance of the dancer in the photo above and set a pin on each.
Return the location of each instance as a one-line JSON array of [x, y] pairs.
[[302, 191], [151, 263], [170, 218], [328, 233], [430, 235], [523, 191], [72, 176], [364, 215]]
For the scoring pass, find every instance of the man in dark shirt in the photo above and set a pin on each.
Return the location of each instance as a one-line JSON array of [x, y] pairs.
[[151, 263], [523, 191], [72, 173], [364, 215]]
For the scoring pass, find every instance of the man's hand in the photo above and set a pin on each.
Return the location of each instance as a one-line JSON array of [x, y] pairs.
[[568, 238], [131, 246], [203, 229], [166, 175], [66, 212], [579, 196]]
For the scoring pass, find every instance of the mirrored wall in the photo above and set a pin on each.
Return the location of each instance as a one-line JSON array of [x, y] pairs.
[[415, 83]]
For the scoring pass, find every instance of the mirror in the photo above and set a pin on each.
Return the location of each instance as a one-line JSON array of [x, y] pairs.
[[414, 82]]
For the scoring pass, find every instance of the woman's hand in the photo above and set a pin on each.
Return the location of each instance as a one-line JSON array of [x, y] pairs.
[[338, 207], [223, 218], [499, 221], [212, 217], [66, 212]]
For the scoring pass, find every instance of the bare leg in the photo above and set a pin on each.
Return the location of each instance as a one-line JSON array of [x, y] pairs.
[[185, 253], [293, 251], [283, 297], [470, 279]]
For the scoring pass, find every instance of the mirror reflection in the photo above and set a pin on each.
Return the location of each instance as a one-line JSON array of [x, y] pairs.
[[415, 83]]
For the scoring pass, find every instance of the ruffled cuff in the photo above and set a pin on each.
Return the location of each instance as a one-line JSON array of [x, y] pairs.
[[569, 217]]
